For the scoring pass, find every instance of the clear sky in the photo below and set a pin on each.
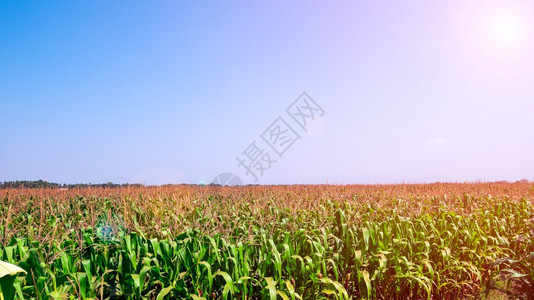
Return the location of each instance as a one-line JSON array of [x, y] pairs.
[[173, 91]]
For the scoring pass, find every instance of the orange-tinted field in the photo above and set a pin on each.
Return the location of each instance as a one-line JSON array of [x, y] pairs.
[[359, 241]]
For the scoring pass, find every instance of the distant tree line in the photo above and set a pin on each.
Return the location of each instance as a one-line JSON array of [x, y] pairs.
[[45, 184]]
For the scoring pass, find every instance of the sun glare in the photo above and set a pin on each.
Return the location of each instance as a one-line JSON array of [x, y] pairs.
[[508, 30], [499, 35]]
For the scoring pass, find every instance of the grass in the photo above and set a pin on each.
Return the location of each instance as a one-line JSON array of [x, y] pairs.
[[436, 241]]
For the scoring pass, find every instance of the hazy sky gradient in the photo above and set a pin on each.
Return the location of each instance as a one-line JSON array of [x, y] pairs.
[[168, 91]]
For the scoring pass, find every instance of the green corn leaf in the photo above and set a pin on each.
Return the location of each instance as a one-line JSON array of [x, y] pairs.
[[164, 292], [7, 269], [271, 286], [229, 286], [210, 276], [283, 295], [8, 275], [367, 281], [291, 289]]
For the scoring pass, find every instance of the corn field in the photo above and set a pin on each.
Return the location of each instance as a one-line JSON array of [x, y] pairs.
[[434, 241]]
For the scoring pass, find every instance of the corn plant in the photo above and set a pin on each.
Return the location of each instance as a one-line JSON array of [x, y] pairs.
[[8, 275], [437, 241]]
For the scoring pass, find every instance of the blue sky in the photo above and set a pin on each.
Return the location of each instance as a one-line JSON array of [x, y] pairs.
[[173, 91]]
